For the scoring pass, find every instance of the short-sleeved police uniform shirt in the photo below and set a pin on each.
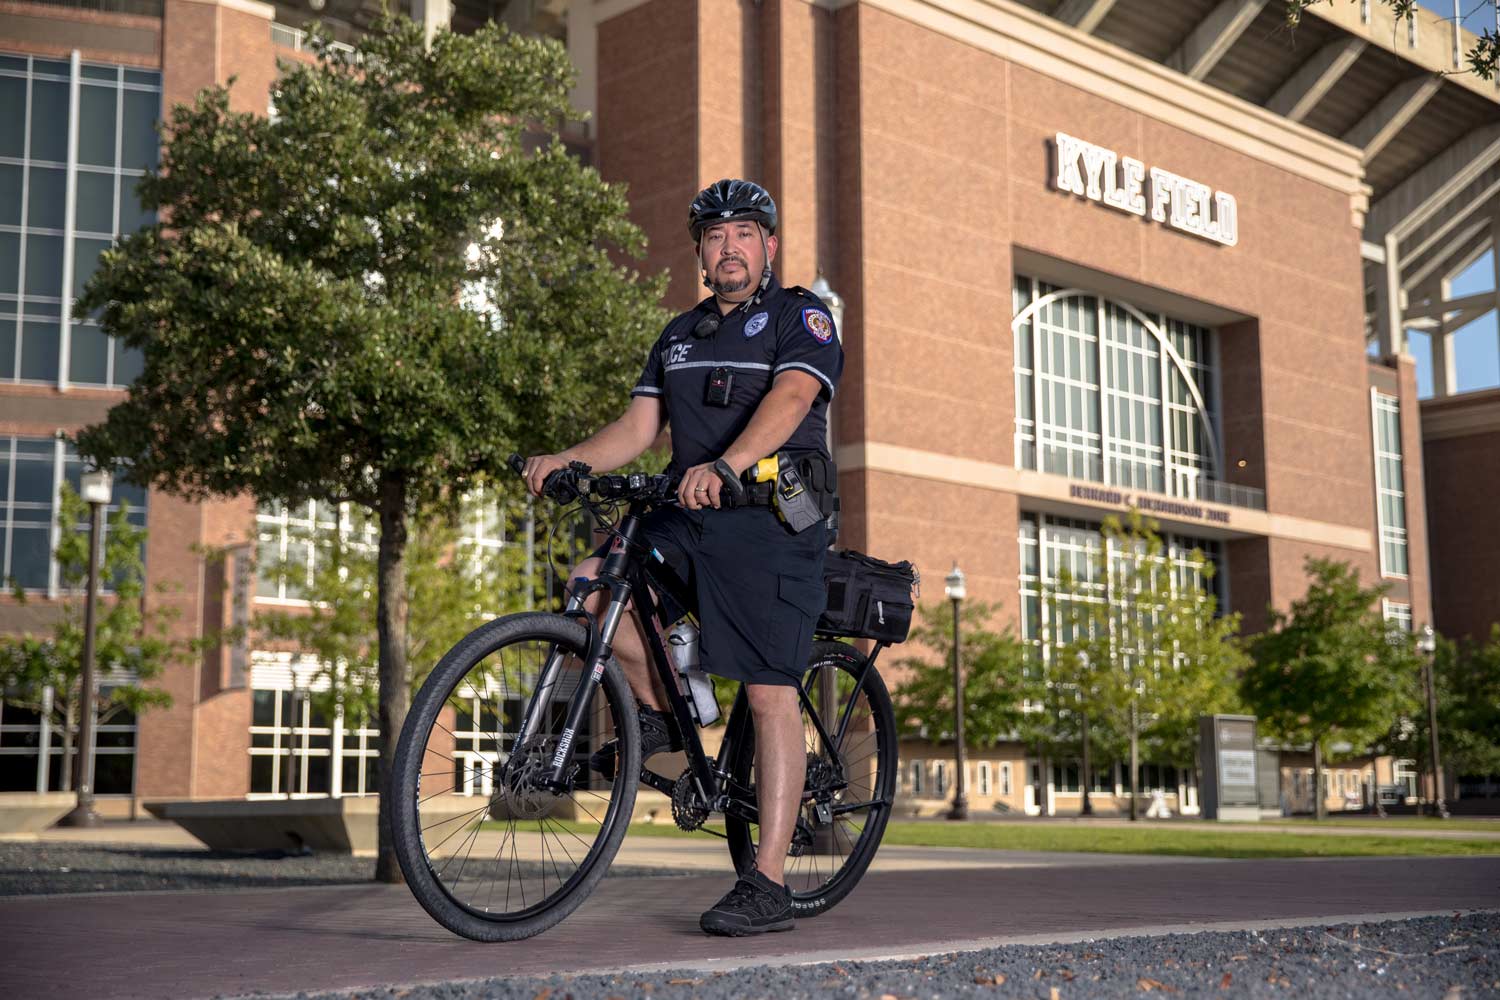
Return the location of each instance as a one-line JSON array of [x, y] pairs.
[[759, 588], [788, 330]]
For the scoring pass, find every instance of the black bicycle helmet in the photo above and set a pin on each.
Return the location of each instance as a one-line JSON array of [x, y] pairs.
[[731, 198]]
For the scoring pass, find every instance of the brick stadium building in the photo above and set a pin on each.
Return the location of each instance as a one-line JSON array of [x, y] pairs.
[[1092, 254]]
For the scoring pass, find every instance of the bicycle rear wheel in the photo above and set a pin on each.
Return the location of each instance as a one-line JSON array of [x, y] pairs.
[[850, 781], [488, 849]]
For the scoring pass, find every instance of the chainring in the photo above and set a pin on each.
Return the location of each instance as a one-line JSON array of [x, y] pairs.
[[689, 811]]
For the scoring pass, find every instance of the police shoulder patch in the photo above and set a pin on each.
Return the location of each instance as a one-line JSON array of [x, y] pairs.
[[756, 323], [818, 324]]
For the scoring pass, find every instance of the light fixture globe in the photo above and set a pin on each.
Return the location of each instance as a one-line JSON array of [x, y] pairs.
[[954, 585], [96, 486]]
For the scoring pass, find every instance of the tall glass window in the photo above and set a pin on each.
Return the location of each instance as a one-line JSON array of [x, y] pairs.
[[296, 750], [45, 262], [1396, 614], [1390, 490], [32, 471], [26, 728], [1112, 393], [301, 537], [1054, 546]]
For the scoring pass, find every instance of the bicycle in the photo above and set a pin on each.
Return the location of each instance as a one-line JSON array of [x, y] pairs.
[[497, 742]]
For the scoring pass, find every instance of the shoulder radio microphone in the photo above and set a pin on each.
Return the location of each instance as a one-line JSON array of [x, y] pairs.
[[707, 327]]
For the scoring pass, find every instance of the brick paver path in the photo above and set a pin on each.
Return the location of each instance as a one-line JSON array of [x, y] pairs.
[[182, 944]]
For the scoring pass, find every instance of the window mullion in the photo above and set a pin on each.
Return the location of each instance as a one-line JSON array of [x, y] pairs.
[[1106, 422], [1164, 415], [70, 211]]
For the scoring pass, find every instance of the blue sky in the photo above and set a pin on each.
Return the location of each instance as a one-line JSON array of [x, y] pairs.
[[1476, 346]]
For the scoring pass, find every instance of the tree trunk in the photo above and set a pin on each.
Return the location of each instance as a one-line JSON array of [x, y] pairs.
[[1320, 807], [395, 674]]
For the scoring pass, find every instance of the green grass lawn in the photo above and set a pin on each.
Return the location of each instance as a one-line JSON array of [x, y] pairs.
[[1176, 839], [1173, 839], [1396, 823]]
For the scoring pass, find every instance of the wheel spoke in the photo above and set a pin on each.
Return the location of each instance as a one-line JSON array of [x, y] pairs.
[[534, 862], [847, 738]]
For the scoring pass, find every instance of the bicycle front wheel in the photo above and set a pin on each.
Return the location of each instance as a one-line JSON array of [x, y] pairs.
[[850, 739], [490, 848]]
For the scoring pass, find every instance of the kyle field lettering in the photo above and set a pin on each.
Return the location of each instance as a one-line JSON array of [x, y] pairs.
[[1123, 183]]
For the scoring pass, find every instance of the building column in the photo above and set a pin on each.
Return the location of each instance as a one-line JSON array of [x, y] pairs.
[[1495, 256], [1390, 302], [1444, 375]]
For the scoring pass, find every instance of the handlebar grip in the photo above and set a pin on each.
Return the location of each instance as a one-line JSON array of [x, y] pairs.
[[517, 464]]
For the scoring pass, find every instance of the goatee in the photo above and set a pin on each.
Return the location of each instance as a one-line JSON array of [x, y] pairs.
[[733, 284]]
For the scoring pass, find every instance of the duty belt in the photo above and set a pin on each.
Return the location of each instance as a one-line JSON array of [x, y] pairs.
[[817, 473]]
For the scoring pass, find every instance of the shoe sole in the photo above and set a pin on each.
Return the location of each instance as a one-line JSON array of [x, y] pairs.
[[743, 930]]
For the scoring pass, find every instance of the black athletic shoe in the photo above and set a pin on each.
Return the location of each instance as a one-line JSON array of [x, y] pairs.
[[658, 735], [754, 906]]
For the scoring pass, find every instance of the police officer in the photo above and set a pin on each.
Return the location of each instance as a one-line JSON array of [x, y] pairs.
[[748, 373]]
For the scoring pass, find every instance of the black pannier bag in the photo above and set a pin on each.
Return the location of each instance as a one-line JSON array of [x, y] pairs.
[[868, 598]]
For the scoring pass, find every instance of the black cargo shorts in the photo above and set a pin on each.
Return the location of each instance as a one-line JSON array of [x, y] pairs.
[[759, 587]]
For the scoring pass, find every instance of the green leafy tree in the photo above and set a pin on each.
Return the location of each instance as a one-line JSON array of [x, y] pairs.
[[1331, 671], [1481, 59], [1141, 651], [44, 672], [997, 682], [374, 295], [453, 585], [1466, 687]]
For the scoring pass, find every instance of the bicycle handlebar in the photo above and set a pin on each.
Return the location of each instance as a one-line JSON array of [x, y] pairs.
[[576, 481]]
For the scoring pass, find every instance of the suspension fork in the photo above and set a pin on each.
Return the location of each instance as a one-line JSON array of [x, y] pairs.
[[552, 670], [613, 576]]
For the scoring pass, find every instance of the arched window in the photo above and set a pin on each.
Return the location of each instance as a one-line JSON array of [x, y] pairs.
[[1111, 393]]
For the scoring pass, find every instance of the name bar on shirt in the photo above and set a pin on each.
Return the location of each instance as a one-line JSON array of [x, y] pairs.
[[1121, 182]]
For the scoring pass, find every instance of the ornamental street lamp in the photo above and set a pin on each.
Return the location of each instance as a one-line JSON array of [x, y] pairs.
[[1427, 643], [956, 593], [95, 486], [1083, 674]]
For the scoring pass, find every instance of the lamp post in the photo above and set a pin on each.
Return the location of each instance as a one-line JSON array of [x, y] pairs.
[[954, 588], [96, 487], [1083, 674], [1427, 643]]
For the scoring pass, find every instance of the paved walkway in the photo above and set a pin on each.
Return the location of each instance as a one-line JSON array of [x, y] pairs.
[[187, 944], [679, 854]]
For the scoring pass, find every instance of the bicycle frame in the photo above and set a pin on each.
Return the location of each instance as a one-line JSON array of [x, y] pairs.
[[626, 577]]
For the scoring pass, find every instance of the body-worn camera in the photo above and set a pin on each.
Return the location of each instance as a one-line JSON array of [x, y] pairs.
[[720, 384]]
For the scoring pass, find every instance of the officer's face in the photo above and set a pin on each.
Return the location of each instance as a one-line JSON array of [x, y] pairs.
[[733, 257]]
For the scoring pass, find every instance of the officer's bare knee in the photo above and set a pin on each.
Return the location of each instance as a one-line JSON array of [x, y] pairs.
[[773, 699]]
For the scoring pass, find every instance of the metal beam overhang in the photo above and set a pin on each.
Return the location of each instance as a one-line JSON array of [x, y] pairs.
[[1315, 78], [1458, 216], [1433, 185], [1467, 309], [1455, 248], [1084, 15], [1382, 123], [1214, 36]]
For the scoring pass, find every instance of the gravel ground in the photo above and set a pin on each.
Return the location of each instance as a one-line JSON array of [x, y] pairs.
[[28, 869], [1441, 957]]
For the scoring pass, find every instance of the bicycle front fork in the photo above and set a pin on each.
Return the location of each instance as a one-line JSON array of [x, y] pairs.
[[601, 647]]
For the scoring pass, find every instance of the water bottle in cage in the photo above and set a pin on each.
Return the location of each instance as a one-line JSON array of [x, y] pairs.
[[682, 644]]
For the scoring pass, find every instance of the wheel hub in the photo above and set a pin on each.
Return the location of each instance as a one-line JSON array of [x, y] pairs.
[[523, 790]]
